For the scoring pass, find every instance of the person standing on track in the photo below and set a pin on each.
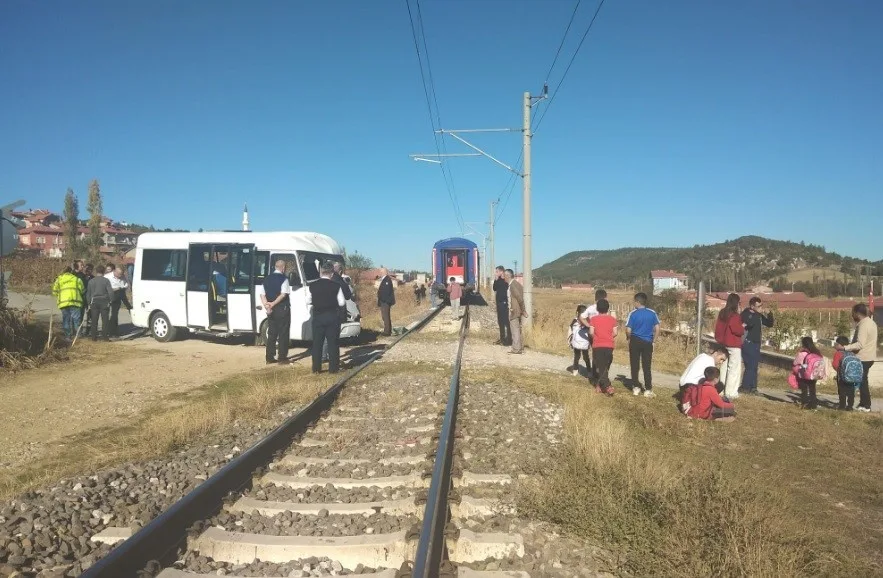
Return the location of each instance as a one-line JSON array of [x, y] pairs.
[[386, 298], [864, 344], [501, 289], [754, 320], [455, 292], [278, 307], [641, 330], [325, 297], [728, 331], [515, 297]]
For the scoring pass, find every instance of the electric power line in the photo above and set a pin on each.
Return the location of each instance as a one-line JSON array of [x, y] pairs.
[[432, 120], [563, 38], [569, 64]]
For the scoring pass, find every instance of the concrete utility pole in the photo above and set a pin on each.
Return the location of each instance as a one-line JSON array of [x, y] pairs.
[[492, 264], [528, 102]]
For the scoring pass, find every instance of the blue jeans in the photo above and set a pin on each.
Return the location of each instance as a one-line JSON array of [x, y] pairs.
[[751, 357], [70, 320]]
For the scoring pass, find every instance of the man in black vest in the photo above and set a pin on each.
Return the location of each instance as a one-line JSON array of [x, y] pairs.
[[386, 298], [326, 297], [278, 308], [500, 293]]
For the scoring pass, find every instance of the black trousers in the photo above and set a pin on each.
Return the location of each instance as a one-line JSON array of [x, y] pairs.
[[864, 392], [808, 393], [278, 330], [603, 360], [503, 322], [585, 356], [99, 309], [387, 320], [846, 393], [119, 298], [641, 353], [326, 326]]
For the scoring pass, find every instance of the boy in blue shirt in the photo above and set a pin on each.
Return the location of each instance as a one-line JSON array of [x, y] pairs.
[[641, 329]]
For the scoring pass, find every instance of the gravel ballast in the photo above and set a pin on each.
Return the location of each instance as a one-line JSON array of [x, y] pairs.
[[330, 495], [324, 524]]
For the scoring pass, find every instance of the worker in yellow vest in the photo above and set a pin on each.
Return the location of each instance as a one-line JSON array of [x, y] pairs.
[[68, 291]]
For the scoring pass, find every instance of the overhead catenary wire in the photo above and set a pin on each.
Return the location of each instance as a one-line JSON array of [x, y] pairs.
[[569, 64], [563, 38], [434, 120]]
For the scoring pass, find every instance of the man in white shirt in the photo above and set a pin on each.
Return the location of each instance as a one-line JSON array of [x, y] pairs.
[[119, 285], [696, 370]]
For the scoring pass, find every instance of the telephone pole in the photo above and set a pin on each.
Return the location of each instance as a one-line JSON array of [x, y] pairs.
[[492, 264]]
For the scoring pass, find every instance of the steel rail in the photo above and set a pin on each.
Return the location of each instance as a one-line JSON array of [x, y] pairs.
[[159, 539], [431, 545]]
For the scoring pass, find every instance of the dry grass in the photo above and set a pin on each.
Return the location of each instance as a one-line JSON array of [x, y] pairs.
[[677, 497], [179, 420], [31, 274], [25, 343]]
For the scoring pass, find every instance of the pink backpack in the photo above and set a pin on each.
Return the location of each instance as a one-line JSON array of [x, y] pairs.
[[813, 367]]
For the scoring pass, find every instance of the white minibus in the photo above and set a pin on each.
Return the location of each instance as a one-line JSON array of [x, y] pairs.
[[212, 282]]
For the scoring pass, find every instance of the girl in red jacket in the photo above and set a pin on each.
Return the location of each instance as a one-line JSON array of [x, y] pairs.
[[728, 331]]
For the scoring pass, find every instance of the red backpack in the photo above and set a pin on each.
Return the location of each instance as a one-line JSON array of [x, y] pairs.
[[690, 397]]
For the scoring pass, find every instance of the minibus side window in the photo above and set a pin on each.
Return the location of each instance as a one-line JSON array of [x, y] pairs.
[[290, 268], [163, 264]]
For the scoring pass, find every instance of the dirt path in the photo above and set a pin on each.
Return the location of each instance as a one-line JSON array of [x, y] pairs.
[[107, 386]]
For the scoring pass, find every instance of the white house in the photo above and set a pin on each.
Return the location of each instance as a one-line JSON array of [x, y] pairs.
[[663, 280]]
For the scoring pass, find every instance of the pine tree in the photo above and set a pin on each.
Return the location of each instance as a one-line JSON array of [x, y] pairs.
[[95, 210], [71, 224]]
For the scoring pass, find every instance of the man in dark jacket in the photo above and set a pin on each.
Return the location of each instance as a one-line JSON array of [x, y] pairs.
[[99, 294], [278, 307], [501, 289], [754, 319], [326, 298], [386, 298], [337, 277]]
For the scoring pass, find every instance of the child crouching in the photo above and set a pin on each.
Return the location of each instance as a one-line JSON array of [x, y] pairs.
[[702, 401]]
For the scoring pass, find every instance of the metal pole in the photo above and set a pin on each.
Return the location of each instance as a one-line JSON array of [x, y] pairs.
[[528, 274], [700, 307], [492, 264]]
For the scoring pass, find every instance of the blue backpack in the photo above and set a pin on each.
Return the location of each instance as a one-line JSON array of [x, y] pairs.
[[851, 369]]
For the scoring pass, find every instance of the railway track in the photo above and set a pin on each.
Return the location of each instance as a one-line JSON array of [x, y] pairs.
[[358, 482]]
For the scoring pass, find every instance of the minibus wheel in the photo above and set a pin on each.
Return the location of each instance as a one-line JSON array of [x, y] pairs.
[[261, 338], [161, 327]]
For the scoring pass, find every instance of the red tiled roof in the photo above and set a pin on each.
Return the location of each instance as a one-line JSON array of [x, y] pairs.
[[663, 274], [42, 230]]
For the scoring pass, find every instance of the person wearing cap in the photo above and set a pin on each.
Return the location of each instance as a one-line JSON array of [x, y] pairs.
[[325, 296]]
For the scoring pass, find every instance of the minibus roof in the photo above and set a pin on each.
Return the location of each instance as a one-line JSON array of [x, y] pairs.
[[266, 241]]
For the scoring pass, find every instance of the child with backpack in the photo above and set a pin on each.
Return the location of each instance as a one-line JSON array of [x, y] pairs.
[[849, 373], [808, 367], [578, 338], [702, 401]]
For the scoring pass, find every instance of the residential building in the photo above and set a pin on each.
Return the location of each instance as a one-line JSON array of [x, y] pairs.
[[44, 233], [49, 241], [664, 280]]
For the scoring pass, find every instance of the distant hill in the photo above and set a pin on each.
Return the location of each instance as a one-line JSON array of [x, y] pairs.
[[749, 260]]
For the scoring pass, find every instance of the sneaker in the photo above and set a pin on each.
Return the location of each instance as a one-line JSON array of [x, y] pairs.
[[636, 390], [863, 409], [649, 393]]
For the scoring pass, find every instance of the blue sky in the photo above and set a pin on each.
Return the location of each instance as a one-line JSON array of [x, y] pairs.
[[680, 122]]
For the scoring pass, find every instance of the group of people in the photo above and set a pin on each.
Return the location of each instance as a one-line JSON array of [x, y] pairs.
[[595, 328], [509, 299], [713, 380], [86, 294], [326, 297]]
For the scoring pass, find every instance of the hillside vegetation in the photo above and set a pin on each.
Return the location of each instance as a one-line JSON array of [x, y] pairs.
[[745, 261]]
